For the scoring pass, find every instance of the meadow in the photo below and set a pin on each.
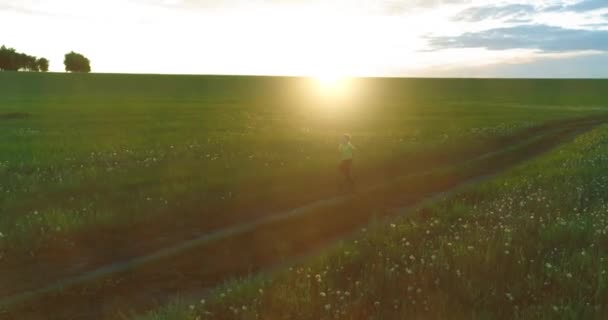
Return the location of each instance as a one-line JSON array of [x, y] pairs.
[[99, 167], [87, 150], [530, 244]]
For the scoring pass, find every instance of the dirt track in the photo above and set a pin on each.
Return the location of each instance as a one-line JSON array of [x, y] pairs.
[[139, 283]]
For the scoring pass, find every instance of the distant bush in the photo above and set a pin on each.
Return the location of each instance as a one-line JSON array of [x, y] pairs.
[[76, 62], [11, 60]]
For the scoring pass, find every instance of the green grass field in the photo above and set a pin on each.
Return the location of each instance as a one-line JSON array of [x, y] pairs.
[[82, 150], [96, 167], [531, 244]]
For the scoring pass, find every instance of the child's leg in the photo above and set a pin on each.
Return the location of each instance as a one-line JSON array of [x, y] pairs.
[[348, 172], [343, 169]]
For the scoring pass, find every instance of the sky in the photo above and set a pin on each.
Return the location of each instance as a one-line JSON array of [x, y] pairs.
[[410, 38]]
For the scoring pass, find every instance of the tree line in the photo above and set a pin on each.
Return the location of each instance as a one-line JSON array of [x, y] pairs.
[[12, 60]]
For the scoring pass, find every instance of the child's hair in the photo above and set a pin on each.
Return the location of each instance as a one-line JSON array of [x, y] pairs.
[[347, 136]]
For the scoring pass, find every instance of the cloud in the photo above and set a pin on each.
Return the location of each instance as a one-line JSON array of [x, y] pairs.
[[581, 66], [588, 5], [18, 8], [542, 37], [520, 12], [398, 7], [581, 6], [228, 3], [386, 7], [58, 9]]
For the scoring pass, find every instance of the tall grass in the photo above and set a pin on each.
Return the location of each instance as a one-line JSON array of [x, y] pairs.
[[530, 244]]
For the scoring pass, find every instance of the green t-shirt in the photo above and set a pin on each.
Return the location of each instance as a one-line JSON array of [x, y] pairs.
[[346, 151]]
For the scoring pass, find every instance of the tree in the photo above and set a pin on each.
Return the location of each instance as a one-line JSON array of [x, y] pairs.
[[28, 63], [76, 62], [11, 60], [8, 59], [43, 64], [4, 58]]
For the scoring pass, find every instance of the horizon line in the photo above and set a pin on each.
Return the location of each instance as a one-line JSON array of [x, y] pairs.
[[307, 76]]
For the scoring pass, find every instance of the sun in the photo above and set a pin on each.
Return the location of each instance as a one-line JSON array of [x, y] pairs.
[[329, 80], [331, 83]]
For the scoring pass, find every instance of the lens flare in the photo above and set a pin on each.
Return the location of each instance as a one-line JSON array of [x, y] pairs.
[[329, 80], [332, 84]]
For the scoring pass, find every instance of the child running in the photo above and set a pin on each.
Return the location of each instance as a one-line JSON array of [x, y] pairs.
[[346, 154]]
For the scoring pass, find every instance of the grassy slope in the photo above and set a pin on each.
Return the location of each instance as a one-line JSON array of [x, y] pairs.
[[528, 245], [82, 150]]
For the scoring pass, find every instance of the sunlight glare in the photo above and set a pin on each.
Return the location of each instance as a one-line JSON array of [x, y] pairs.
[[329, 80], [332, 84]]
